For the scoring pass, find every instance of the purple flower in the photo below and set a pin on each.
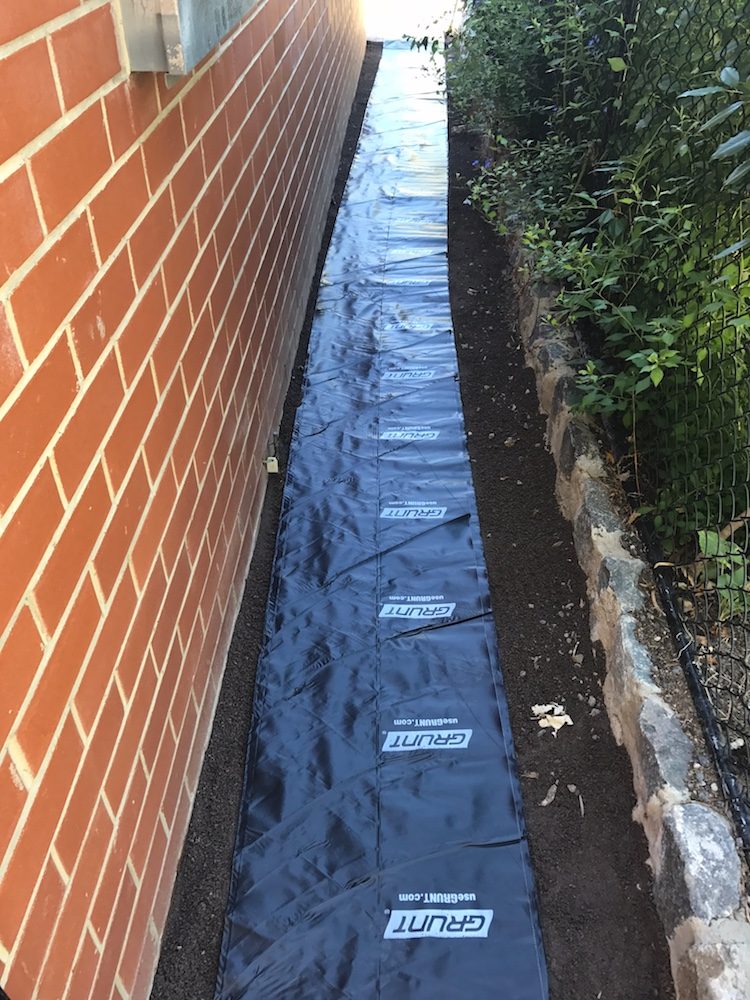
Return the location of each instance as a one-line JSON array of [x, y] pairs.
[[475, 163]]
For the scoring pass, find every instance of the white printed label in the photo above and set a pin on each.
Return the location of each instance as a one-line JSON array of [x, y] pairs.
[[415, 513], [409, 375], [404, 924], [409, 435], [427, 739], [417, 610], [409, 327]]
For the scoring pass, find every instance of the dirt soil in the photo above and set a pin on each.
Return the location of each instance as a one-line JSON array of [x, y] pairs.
[[602, 935]]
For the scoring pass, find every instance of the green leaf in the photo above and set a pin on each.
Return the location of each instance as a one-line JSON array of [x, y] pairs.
[[617, 64], [721, 116], [733, 146], [739, 245], [702, 92], [737, 174], [729, 76], [657, 375], [710, 543]]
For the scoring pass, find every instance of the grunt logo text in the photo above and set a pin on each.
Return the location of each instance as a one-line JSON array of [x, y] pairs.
[[427, 739], [414, 512], [420, 611], [405, 924], [410, 434]]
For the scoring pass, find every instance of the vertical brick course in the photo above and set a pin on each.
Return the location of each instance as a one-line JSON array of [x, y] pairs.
[[156, 248]]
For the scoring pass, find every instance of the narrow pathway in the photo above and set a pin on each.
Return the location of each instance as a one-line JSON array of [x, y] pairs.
[[381, 850], [602, 938]]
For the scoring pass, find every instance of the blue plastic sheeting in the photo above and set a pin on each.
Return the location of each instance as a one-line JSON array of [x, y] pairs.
[[381, 849]]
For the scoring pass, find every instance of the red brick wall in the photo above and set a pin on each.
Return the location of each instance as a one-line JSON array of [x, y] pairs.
[[156, 250]]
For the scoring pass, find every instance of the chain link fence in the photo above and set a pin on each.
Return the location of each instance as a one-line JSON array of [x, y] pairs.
[[683, 110]]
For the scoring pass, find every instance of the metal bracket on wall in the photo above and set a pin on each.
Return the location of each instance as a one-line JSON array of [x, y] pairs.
[[171, 36]]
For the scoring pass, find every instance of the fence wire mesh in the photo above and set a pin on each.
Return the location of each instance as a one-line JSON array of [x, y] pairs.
[[683, 110]]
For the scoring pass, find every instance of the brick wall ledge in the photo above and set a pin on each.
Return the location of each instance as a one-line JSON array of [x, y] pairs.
[[698, 871]]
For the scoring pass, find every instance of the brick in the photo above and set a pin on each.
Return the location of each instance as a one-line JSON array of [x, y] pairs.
[[222, 290], [154, 523], [209, 208], [186, 727], [134, 652], [30, 103], [51, 289], [72, 550], [29, 425], [140, 949], [130, 740], [101, 313], [11, 368], [56, 971], [233, 165], [208, 440], [130, 109], [16, 19], [86, 55], [101, 665], [169, 871], [165, 624], [48, 703], [214, 143], [13, 798], [20, 229], [137, 338], [141, 853], [203, 277], [184, 446], [27, 860], [116, 937], [25, 538], [114, 547], [34, 941], [226, 229], [197, 350], [84, 970], [180, 259], [115, 209], [172, 687], [70, 164], [163, 148], [87, 426], [164, 429], [183, 510], [20, 656], [187, 183], [197, 107], [170, 345], [236, 110], [109, 888], [150, 239], [88, 784], [128, 433]]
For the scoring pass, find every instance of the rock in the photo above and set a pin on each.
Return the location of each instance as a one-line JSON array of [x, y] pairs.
[[666, 751], [712, 962], [699, 870]]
